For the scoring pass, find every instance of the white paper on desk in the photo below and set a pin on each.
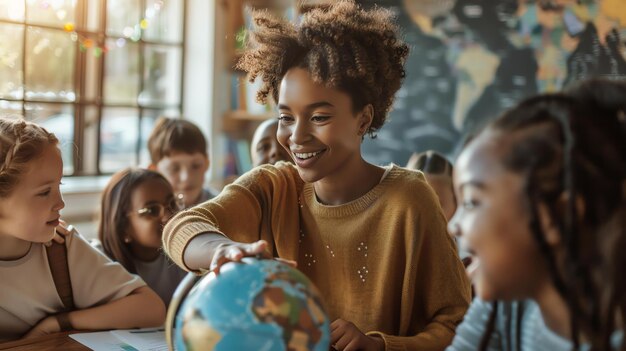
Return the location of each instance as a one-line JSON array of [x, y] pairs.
[[102, 341], [147, 339]]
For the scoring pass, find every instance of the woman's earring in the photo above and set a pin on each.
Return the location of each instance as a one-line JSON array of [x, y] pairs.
[[127, 240]]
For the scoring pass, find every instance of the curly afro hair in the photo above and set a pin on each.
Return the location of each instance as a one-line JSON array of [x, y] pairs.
[[343, 46]]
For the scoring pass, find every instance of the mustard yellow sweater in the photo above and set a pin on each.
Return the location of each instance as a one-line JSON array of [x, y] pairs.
[[384, 261]]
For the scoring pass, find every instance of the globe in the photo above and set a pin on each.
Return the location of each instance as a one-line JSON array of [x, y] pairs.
[[254, 305]]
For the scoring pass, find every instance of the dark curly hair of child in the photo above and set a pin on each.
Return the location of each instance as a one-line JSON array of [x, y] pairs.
[[342, 46]]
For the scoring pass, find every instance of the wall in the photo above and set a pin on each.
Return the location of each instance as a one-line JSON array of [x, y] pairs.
[[472, 59]]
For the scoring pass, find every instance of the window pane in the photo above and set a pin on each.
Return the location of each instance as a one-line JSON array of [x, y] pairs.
[[12, 10], [121, 77], [11, 47], [49, 65], [53, 13], [162, 76], [10, 109], [147, 124], [118, 138], [123, 18], [164, 20], [57, 119]]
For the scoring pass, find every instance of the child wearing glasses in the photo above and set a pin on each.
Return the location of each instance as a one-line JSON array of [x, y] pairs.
[[135, 206], [103, 294]]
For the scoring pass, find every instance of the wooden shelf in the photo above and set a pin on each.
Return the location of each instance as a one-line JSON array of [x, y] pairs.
[[247, 116], [241, 124]]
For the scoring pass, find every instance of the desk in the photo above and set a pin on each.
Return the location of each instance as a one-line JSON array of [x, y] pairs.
[[57, 341]]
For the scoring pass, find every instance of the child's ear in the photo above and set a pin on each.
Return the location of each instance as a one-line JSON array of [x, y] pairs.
[[365, 119], [549, 227], [207, 162], [152, 167]]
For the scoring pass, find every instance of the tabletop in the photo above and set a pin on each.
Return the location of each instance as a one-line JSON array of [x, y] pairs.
[[57, 341]]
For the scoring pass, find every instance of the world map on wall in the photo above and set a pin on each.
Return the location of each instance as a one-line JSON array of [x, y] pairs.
[[472, 59]]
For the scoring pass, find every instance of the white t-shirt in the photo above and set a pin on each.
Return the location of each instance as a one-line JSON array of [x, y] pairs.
[[28, 293]]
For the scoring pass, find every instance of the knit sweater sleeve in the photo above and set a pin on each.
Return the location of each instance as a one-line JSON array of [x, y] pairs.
[[243, 211], [436, 289], [469, 334]]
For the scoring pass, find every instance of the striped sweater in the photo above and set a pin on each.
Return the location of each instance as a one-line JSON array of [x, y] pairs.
[[519, 327]]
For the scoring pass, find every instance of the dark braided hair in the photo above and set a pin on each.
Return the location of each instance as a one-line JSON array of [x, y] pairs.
[[571, 150], [430, 162], [342, 47]]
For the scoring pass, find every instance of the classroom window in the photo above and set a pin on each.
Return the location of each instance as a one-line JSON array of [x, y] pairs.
[[97, 73]]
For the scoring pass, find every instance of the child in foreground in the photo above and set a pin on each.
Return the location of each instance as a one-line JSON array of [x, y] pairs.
[[543, 208], [105, 295]]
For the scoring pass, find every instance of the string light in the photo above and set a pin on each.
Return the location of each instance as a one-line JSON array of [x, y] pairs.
[[133, 33]]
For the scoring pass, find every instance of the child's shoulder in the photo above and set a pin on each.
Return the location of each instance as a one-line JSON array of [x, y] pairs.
[[79, 246], [407, 179], [409, 187], [410, 175], [75, 240]]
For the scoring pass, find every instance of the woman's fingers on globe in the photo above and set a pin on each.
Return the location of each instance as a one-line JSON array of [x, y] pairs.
[[229, 252], [219, 258], [234, 253], [216, 263], [256, 248], [226, 253], [291, 263]]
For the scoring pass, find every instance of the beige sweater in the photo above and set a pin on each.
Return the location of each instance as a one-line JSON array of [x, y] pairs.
[[28, 293], [384, 261]]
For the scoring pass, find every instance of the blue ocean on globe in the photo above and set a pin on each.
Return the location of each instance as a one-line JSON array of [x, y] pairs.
[[256, 305]]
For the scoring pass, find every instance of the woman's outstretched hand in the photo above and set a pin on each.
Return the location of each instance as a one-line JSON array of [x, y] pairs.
[[231, 251]]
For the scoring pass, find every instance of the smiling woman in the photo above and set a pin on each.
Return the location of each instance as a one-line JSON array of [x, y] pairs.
[[360, 232]]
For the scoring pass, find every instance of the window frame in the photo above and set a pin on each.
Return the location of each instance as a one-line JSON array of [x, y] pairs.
[[81, 102]]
